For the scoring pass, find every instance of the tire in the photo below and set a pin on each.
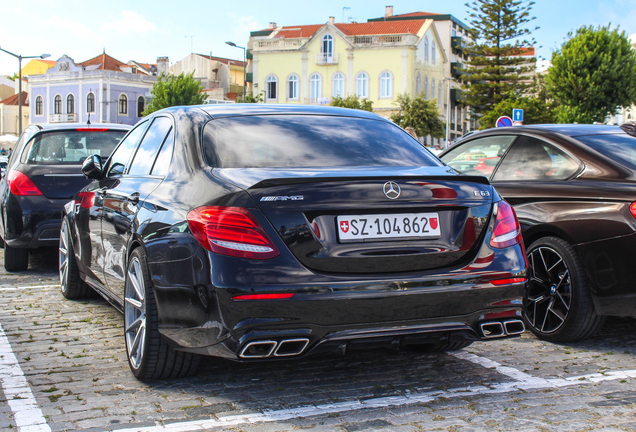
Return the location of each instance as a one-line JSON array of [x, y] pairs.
[[73, 287], [149, 355], [557, 303], [439, 347], [15, 259]]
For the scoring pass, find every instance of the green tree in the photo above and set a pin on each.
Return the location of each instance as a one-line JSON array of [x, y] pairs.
[[535, 111], [352, 101], [419, 113], [496, 69], [592, 74], [175, 91], [250, 98]]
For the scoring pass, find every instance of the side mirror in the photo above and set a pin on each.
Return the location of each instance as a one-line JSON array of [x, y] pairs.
[[92, 167]]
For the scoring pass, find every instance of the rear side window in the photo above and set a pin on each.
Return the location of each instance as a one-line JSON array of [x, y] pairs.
[[532, 159], [121, 156], [309, 141], [70, 147]]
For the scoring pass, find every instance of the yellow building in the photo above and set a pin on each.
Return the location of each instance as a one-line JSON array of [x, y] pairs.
[[311, 64], [37, 67]]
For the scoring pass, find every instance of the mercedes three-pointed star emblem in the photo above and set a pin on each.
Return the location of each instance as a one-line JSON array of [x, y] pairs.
[[391, 190]]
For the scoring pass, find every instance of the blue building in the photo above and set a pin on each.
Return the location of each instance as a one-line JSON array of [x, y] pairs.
[[101, 89]]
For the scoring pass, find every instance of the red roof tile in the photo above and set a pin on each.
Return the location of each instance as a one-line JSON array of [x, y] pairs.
[[13, 100], [355, 29], [105, 61]]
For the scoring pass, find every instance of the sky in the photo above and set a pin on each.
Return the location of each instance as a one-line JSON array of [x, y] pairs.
[[143, 30]]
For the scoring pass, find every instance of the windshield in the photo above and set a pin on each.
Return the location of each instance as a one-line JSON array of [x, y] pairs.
[[620, 147], [310, 141], [70, 147]]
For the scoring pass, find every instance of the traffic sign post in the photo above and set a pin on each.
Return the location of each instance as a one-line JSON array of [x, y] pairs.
[[503, 121], [517, 115]]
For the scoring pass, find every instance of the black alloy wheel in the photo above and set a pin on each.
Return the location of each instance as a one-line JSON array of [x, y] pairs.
[[73, 287], [149, 355], [557, 303]]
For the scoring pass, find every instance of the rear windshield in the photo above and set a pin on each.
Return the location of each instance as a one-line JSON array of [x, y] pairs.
[[70, 147], [620, 148], [309, 141]]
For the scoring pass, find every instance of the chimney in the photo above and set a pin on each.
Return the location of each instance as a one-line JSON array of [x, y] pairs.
[[272, 25], [332, 20], [388, 11], [163, 65]]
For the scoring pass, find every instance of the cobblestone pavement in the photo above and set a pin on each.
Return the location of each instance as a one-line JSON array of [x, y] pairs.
[[63, 367]]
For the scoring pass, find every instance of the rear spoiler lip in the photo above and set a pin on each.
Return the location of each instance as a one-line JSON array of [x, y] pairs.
[[305, 180]]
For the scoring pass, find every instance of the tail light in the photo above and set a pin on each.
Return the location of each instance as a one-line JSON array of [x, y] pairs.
[[632, 209], [507, 231], [231, 231], [21, 185]]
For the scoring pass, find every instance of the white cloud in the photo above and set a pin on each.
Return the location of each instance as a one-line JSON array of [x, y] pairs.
[[65, 26], [245, 23], [131, 22]]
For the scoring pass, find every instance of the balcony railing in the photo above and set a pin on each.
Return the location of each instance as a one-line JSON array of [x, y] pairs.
[[457, 95], [278, 44], [326, 58], [249, 77], [63, 118], [457, 69], [458, 43]]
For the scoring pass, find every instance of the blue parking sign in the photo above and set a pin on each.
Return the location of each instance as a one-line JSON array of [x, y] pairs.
[[517, 115]]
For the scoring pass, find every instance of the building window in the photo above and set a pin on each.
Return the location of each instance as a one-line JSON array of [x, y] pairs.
[[386, 85], [292, 87], [315, 87], [433, 52], [426, 49], [141, 105], [271, 84], [38, 105], [70, 104], [57, 105], [90, 103], [418, 84], [439, 94], [362, 85], [327, 45], [433, 88], [123, 104], [338, 85], [425, 87]]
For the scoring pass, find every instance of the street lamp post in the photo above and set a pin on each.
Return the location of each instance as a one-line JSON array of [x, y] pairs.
[[448, 104], [19, 57], [244, 75]]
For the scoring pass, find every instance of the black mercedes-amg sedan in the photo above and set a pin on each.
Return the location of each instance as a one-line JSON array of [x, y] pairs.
[[574, 190], [42, 174], [256, 231]]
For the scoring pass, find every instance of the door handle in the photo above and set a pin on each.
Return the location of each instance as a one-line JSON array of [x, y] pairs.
[[133, 198]]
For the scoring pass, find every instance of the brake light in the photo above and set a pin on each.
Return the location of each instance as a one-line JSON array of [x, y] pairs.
[[86, 200], [632, 209], [231, 231], [263, 296], [21, 185], [92, 130], [507, 230]]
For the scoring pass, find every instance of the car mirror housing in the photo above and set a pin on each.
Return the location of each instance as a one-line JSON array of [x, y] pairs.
[[92, 167]]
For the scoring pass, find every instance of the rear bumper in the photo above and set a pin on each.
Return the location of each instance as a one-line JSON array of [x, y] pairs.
[[32, 222]]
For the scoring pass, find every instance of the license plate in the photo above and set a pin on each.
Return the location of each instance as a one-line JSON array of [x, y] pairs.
[[388, 226]]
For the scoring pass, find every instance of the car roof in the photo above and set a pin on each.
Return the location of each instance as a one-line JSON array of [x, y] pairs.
[[75, 126], [571, 130], [247, 109]]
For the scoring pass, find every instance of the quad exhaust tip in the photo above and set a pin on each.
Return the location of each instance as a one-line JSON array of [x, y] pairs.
[[284, 348], [495, 329]]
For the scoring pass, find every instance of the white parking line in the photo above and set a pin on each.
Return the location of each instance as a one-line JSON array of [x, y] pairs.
[[21, 287], [522, 381], [26, 413]]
